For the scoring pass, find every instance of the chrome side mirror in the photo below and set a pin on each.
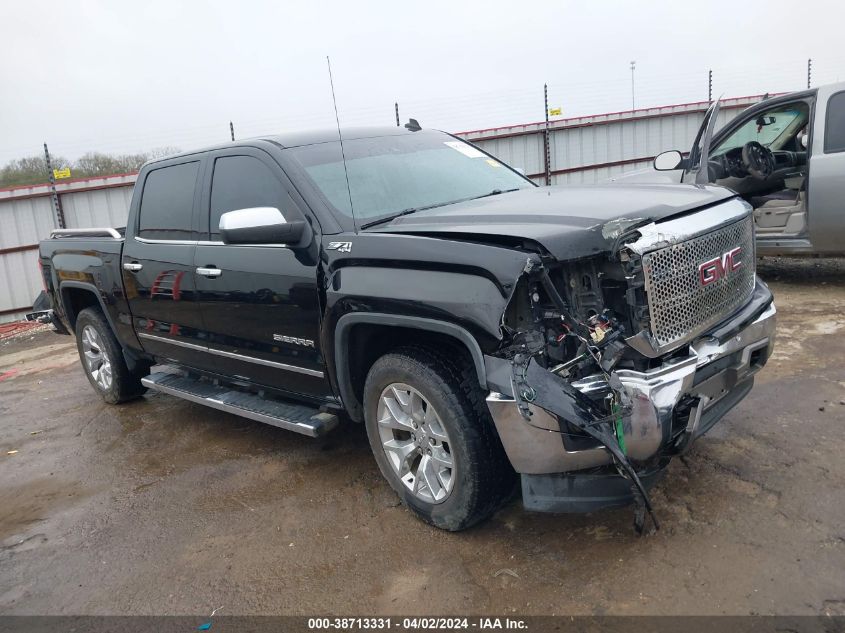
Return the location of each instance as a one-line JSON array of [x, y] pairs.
[[259, 225], [667, 161]]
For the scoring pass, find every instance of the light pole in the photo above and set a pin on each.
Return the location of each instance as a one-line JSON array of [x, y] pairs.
[[633, 101]]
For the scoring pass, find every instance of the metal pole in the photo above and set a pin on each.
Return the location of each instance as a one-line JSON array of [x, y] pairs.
[[709, 86], [57, 202], [232, 130], [396, 106], [809, 72], [546, 143], [633, 101]]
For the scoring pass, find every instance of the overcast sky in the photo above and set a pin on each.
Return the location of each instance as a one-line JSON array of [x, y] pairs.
[[127, 76]]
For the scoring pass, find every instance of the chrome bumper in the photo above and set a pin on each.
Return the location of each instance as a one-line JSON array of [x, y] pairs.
[[717, 374]]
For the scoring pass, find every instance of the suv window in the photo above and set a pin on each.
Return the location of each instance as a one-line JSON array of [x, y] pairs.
[[773, 128], [834, 126], [167, 203], [242, 182]]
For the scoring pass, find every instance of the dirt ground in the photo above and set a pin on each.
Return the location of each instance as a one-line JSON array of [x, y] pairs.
[[161, 506]]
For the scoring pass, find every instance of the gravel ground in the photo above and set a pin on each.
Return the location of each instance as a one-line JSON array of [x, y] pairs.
[[165, 507]]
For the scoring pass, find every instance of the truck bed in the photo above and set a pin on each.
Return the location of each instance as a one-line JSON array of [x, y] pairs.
[[75, 261]]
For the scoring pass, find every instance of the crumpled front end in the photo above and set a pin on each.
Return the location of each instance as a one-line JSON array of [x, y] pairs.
[[611, 366]]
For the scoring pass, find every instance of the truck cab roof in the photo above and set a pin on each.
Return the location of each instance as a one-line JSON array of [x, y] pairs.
[[297, 138]]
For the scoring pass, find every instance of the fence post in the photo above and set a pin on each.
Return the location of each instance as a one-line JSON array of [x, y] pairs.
[[232, 130], [57, 202], [633, 99], [546, 143], [396, 106]]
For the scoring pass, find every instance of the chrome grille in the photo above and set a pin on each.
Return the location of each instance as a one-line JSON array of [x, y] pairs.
[[680, 306]]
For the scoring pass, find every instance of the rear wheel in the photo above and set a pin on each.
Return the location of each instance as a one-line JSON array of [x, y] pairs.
[[433, 439], [102, 359]]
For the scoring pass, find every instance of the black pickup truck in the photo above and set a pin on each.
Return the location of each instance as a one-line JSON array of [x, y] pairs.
[[479, 326]]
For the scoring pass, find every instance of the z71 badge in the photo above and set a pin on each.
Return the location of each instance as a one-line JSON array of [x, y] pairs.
[[340, 247]]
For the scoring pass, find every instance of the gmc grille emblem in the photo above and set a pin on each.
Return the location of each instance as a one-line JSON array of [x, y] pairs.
[[719, 267]]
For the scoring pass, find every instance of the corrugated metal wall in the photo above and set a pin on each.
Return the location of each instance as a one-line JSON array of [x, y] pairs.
[[594, 148], [22, 223], [27, 216], [581, 150], [100, 207]]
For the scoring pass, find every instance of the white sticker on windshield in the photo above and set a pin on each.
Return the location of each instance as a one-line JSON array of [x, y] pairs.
[[466, 150]]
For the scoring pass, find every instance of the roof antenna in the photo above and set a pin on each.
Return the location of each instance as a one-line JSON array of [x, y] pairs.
[[340, 137], [413, 125]]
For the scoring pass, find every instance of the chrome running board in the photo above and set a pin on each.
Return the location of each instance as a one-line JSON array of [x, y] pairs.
[[292, 417]]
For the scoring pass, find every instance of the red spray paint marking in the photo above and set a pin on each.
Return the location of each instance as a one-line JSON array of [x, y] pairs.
[[8, 374]]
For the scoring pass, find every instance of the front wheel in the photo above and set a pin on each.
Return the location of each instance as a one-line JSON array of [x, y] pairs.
[[102, 359], [433, 439]]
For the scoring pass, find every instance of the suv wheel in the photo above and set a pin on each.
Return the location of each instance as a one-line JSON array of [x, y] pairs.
[[102, 359], [433, 439]]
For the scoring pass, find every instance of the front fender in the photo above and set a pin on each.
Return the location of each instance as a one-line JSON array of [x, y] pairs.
[[446, 287], [465, 307]]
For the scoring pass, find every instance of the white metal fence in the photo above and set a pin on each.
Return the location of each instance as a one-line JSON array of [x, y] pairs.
[[581, 150], [593, 148], [27, 215]]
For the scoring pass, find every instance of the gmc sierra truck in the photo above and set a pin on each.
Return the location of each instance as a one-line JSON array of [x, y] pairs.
[[479, 326]]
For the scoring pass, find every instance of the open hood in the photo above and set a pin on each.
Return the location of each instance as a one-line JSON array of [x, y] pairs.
[[568, 221]]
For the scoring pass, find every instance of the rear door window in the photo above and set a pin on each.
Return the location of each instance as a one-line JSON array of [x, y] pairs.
[[243, 182], [834, 127], [167, 203]]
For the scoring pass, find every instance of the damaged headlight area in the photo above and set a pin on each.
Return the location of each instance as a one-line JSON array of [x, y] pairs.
[[587, 418], [565, 325]]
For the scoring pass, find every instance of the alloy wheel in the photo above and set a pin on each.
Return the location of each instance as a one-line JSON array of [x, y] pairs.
[[416, 443], [96, 360]]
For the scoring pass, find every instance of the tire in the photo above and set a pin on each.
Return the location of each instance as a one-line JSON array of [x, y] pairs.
[[480, 478], [102, 359]]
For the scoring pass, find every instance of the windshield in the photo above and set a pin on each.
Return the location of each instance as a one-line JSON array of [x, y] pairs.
[[772, 128], [390, 174]]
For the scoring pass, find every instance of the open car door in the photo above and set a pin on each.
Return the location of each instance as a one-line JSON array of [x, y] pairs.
[[672, 167], [696, 170], [761, 158]]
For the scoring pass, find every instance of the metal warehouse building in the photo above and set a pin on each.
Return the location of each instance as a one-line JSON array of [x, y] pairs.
[[578, 150]]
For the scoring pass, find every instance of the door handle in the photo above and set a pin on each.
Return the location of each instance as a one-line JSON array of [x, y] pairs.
[[132, 266], [209, 272]]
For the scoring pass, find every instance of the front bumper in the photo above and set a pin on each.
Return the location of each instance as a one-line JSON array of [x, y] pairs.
[[717, 372]]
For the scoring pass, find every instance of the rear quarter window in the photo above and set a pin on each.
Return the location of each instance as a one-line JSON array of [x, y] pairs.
[[167, 203], [834, 126]]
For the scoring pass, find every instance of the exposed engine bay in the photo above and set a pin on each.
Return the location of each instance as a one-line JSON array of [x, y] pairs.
[[584, 359], [578, 316]]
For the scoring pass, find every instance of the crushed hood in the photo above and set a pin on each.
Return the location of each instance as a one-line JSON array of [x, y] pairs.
[[568, 221]]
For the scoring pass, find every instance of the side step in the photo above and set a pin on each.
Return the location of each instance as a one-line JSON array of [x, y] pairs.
[[293, 417]]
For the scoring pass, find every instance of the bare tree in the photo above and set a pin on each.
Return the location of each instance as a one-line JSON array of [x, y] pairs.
[[29, 170], [97, 164], [32, 170]]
